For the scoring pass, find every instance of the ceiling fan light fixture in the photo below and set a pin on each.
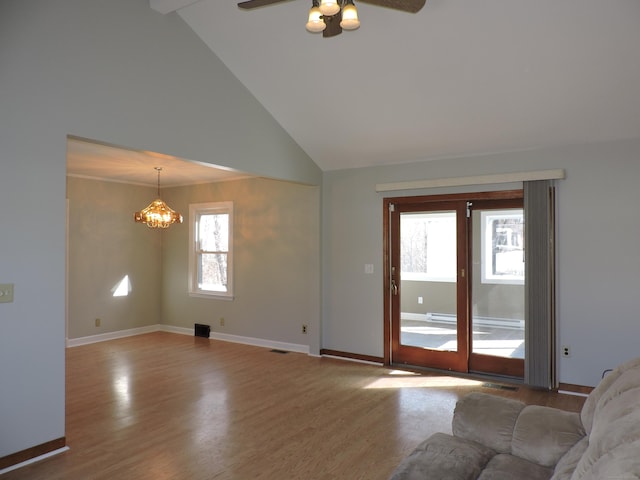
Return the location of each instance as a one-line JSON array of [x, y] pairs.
[[337, 15], [349, 16], [315, 24], [329, 7]]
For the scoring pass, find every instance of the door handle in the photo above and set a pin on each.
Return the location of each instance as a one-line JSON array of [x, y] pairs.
[[394, 287]]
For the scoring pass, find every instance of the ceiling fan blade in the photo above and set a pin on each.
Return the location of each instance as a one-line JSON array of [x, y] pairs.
[[249, 4], [411, 6]]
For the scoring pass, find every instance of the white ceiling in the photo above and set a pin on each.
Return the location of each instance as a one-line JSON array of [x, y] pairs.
[[461, 77], [89, 159]]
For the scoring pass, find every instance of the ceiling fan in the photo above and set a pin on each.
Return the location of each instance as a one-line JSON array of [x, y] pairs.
[[332, 16]]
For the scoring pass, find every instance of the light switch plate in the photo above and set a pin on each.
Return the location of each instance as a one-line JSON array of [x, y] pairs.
[[6, 292]]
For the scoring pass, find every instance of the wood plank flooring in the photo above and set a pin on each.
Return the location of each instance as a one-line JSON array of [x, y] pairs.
[[164, 406]]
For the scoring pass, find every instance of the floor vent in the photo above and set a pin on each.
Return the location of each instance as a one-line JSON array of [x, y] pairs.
[[200, 330], [279, 351], [500, 387]]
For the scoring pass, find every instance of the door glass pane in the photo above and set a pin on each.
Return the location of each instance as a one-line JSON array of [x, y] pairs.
[[497, 315], [428, 280]]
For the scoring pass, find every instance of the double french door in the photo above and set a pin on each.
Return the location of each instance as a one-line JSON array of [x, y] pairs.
[[454, 282]]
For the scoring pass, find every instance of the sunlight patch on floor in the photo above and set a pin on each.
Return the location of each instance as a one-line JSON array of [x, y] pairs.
[[402, 379]]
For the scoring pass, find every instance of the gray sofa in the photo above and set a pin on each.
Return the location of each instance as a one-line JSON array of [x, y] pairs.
[[495, 438]]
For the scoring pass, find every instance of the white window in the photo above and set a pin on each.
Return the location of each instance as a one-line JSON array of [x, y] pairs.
[[503, 246], [211, 250]]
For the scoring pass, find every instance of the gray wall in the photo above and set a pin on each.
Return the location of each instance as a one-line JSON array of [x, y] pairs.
[[117, 72], [276, 262], [597, 301], [438, 297], [489, 300], [105, 244]]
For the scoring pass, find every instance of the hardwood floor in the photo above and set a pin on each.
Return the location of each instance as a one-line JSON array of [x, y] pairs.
[[164, 406]]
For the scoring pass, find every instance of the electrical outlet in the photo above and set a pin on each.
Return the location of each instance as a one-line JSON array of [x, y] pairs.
[[566, 351], [98, 322], [6, 293], [304, 329], [222, 321]]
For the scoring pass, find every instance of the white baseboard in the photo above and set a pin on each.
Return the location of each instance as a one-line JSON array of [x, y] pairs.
[[103, 337], [172, 329], [257, 342], [260, 342], [451, 319], [418, 317], [33, 460], [576, 394]]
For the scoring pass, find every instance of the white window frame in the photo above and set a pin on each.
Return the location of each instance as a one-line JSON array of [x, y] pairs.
[[486, 245], [195, 211]]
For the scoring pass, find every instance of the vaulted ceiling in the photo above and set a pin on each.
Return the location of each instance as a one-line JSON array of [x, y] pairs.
[[459, 78]]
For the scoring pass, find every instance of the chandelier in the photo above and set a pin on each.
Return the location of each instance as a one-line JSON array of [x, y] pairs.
[[331, 12], [158, 214]]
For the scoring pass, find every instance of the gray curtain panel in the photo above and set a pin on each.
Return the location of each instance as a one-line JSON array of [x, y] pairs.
[[539, 218]]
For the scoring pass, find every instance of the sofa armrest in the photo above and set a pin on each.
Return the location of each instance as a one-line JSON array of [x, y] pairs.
[[487, 419]]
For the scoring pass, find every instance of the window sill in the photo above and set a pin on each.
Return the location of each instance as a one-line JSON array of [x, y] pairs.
[[211, 296]]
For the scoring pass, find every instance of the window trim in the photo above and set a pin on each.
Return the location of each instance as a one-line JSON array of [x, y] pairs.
[[486, 274], [195, 211]]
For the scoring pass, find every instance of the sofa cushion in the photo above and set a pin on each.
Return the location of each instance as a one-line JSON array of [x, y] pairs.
[[589, 407], [567, 464], [615, 426], [619, 399], [508, 467], [443, 457], [543, 435], [621, 463], [618, 420], [487, 419]]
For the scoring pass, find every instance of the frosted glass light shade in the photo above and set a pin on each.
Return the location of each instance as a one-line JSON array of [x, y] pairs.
[[157, 215], [315, 23], [349, 17], [329, 7]]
